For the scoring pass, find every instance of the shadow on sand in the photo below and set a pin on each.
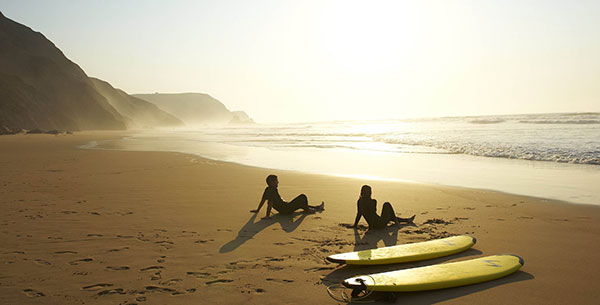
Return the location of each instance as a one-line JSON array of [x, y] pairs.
[[437, 296], [371, 238], [288, 223]]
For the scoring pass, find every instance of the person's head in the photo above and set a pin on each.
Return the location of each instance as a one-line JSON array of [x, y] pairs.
[[365, 192], [272, 181]]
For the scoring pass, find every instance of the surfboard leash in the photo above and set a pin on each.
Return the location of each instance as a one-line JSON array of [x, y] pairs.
[[355, 296]]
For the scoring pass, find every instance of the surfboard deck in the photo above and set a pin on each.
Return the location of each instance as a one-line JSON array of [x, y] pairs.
[[406, 252], [439, 276]]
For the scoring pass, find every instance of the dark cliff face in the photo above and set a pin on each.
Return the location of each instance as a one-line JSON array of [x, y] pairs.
[[41, 88]]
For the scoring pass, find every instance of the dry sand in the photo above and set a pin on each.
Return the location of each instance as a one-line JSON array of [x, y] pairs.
[[111, 227]]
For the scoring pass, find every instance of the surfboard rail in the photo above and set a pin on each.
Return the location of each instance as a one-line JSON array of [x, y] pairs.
[[406, 252]]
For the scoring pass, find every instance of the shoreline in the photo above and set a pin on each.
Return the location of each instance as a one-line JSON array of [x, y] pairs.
[[105, 226], [540, 179]]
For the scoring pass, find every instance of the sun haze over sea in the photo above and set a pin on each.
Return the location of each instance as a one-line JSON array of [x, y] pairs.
[[245, 152]]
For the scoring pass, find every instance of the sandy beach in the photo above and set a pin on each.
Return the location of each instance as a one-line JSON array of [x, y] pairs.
[[113, 227]]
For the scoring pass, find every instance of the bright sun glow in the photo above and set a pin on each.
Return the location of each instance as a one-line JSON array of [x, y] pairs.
[[303, 61], [370, 38]]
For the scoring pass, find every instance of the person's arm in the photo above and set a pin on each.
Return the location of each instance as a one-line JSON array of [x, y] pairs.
[[358, 215], [262, 201], [264, 198], [269, 206]]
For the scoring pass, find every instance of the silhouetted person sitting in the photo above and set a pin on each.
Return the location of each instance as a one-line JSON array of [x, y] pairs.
[[274, 200], [367, 208]]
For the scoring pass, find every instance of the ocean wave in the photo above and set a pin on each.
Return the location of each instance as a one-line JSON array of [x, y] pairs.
[[500, 136], [563, 155], [487, 121], [560, 121]]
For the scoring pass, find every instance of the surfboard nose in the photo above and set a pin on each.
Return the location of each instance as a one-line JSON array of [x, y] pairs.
[[334, 259], [521, 260]]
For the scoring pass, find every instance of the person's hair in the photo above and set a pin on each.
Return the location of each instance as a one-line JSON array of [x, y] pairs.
[[365, 192], [270, 179]]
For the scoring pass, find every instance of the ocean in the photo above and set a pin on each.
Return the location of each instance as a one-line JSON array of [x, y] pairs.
[[553, 156]]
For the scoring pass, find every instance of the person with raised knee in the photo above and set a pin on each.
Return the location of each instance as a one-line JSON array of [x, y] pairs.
[[367, 208], [274, 200]]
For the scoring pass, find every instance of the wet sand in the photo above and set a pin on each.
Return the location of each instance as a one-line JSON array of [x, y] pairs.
[[113, 227]]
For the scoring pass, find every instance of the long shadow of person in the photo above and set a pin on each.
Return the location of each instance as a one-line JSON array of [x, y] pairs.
[[370, 239], [288, 223]]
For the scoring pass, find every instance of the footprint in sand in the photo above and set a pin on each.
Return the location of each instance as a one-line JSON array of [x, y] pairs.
[[83, 260], [94, 235], [203, 241], [199, 275], [117, 268], [160, 289], [249, 289], [274, 260], [152, 268], [219, 281], [165, 244], [118, 249], [96, 286], [65, 252], [283, 244], [80, 273], [33, 293], [112, 291], [42, 262], [171, 282], [284, 281]]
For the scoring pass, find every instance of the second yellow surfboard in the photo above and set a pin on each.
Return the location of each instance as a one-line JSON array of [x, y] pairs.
[[439, 276], [406, 252]]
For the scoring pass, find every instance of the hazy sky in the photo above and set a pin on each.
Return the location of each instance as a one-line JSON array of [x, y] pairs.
[[328, 60]]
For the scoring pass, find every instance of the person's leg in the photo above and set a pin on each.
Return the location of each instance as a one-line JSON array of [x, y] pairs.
[[387, 214], [410, 219], [300, 202]]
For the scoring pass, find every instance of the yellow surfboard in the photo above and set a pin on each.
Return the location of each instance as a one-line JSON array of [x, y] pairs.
[[439, 276], [406, 252]]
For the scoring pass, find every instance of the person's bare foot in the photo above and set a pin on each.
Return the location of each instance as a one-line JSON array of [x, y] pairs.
[[321, 207], [407, 220]]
